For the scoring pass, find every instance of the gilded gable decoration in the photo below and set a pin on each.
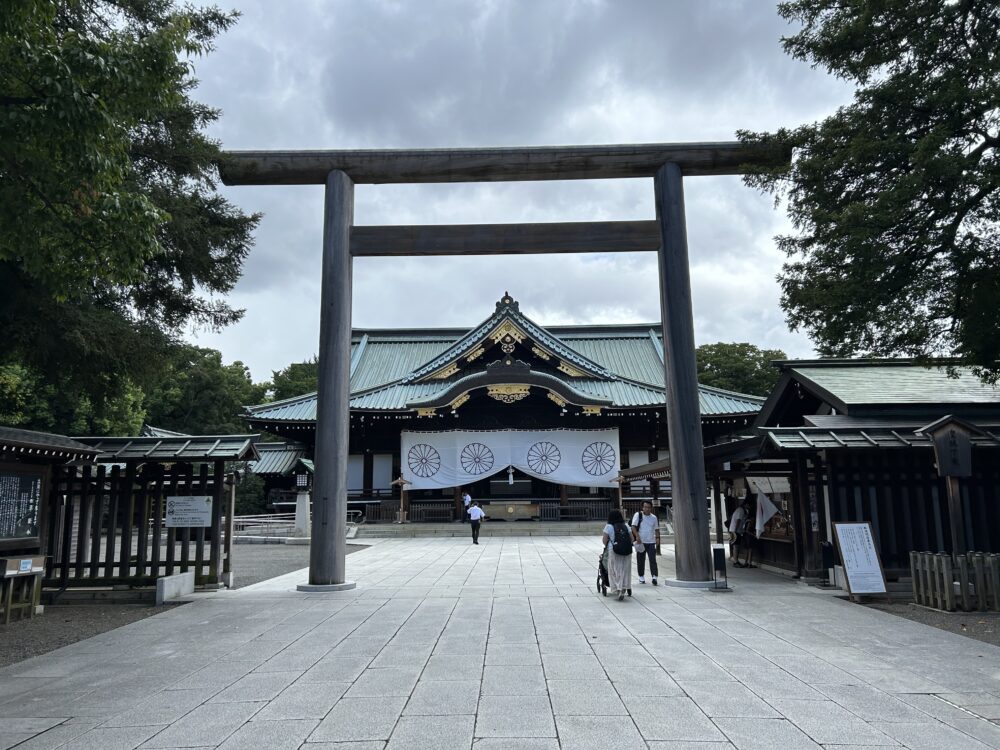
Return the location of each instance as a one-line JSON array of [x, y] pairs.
[[508, 393]]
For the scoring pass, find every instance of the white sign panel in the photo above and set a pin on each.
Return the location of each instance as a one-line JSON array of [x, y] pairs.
[[582, 458], [189, 510], [861, 564]]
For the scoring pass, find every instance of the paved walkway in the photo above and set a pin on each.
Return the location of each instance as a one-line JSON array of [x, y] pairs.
[[506, 645]]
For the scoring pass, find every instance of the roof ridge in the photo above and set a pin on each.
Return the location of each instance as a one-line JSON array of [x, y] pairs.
[[747, 396], [283, 401], [506, 308]]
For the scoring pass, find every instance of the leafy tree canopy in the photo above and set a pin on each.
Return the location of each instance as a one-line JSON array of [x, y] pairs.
[[199, 395], [296, 379], [112, 237], [739, 367], [896, 196]]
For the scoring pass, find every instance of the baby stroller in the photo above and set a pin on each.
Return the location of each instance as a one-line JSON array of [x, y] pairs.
[[602, 577]]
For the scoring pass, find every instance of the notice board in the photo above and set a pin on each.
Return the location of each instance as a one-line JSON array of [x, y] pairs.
[[184, 511], [862, 565], [20, 504]]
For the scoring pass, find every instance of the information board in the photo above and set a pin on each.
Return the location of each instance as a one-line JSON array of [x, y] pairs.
[[20, 503], [862, 565], [189, 510]]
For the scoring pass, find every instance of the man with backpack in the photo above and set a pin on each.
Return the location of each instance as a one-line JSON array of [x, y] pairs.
[[646, 532]]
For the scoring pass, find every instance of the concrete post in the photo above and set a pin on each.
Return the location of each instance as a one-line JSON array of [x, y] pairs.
[[302, 521], [328, 548], [687, 459]]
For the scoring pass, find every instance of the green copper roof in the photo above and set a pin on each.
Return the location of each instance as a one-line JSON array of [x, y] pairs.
[[508, 310], [896, 383], [622, 366]]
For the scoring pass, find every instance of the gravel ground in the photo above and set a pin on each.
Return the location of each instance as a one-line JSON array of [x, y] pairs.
[[63, 624], [983, 626]]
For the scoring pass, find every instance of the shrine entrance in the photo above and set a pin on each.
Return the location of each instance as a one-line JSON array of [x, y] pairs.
[[339, 171]]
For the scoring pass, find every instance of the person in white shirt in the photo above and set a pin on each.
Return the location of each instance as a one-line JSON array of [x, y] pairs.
[[646, 531], [476, 515], [466, 501], [737, 524]]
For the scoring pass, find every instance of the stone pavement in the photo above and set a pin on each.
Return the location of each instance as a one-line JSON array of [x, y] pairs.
[[507, 645]]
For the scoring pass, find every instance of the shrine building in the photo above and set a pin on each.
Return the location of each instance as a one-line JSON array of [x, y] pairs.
[[541, 418]]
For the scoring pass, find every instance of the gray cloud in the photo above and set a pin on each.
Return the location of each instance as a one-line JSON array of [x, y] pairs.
[[442, 73]]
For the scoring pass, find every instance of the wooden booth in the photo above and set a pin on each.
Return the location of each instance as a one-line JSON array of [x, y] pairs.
[[141, 508], [851, 434], [27, 462]]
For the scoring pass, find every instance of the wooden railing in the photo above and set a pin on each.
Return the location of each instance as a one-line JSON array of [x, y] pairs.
[[108, 527], [969, 582]]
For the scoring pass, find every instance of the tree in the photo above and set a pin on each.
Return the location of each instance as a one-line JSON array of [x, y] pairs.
[[199, 395], [112, 237], [250, 499], [896, 196], [296, 379], [738, 367], [27, 401]]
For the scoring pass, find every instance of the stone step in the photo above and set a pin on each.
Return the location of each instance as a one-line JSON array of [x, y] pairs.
[[496, 528]]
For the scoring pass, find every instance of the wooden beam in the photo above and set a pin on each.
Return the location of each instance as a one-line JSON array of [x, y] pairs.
[[506, 239], [494, 164]]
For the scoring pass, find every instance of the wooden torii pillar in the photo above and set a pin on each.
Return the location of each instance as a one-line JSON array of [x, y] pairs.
[[339, 171]]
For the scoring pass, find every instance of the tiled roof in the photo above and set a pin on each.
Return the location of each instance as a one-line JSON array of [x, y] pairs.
[[508, 310], [712, 401], [276, 459], [32, 443], [821, 438], [194, 448], [900, 382], [623, 364]]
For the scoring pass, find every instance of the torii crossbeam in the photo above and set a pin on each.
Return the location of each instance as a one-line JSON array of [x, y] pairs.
[[666, 163]]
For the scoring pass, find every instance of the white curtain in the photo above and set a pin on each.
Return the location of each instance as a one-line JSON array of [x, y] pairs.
[[433, 460]]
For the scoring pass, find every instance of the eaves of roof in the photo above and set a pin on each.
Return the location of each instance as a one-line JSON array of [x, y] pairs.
[[184, 448], [713, 402], [821, 438], [276, 459], [42, 444]]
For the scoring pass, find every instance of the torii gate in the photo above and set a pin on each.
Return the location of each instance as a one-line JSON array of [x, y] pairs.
[[666, 163]]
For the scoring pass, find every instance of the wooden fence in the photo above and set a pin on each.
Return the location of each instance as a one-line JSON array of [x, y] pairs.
[[107, 526], [969, 582]]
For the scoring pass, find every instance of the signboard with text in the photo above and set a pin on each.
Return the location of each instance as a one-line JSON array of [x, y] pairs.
[[189, 510], [20, 504], [862, 565]]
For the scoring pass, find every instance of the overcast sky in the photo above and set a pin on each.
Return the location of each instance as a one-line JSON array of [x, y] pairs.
[[304, 74]]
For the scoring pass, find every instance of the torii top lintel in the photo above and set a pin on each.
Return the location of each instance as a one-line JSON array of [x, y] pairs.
[[495, 164]]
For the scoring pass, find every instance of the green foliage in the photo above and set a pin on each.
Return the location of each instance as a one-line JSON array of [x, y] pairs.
[[112, 237], [896, 197], [199, 395], [738, 367], [296, 379], [250, 500], [27, 401]]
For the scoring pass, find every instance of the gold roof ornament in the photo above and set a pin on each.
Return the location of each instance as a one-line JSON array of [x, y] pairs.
[[508, 393]]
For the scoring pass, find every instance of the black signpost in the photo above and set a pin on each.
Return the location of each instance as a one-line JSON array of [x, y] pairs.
[[953, 454]]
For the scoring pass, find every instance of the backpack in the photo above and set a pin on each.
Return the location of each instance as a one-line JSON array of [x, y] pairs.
[[622, 544]]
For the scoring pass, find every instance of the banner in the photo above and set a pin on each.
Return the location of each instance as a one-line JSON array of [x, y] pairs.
[[581, 458], [765, 509]]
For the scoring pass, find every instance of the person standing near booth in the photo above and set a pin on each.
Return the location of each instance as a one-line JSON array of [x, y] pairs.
[[646, 531]]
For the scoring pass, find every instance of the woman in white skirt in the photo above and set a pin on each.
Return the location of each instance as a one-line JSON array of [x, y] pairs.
[[619, 566]]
